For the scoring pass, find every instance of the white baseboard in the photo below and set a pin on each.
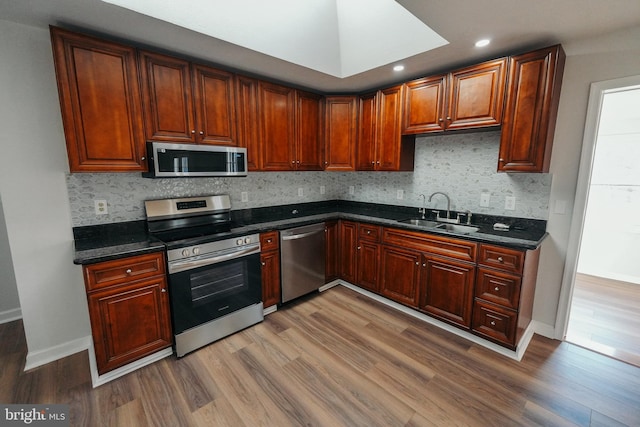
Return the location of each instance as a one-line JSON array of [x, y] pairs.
[[516, 355], [51, 354], [330, 285], [10, 315], [271, 309], [544, 329]]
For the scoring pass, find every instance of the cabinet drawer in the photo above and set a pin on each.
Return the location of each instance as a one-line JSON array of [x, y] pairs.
[[498, 287], [101, 275], [452, 248], [269, 241], [501, 258], [369, 232], [495, 322]]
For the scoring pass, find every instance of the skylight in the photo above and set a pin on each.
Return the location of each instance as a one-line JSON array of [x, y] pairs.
[[336, 37]]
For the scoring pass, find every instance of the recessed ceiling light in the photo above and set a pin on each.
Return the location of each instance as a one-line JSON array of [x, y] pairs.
[[398, 68], [483, 42]]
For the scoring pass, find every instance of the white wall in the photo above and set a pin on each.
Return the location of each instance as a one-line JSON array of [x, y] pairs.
[[9, 301], [34, 196], [608, 57]]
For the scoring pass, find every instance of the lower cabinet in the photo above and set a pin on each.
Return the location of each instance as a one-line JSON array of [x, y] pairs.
[[128, 308], [332, 260], [399, 275], [270, 260]]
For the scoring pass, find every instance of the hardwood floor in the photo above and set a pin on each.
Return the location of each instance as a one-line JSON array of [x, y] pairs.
[[338, 359], [605, 317]]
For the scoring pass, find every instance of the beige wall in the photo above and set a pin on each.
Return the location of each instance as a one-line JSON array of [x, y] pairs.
[[605, 58]]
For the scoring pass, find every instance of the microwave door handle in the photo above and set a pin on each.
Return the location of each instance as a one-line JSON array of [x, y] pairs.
[[178, 266]]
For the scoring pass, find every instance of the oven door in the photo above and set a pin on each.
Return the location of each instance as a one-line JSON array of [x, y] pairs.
[[207, 292]]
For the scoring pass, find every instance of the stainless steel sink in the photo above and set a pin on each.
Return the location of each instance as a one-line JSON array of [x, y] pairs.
[[420, 222], [457, 228]]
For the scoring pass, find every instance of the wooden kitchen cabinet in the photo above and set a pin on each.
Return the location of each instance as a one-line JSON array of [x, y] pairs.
[[100, 103], [380, 144], [368, 256], [247, 117], [309, 141], [399, 274], [531, 109], [270, 261], [187, 103], [340, 133], [504, 292], [332, 256], [128, 308], [348, 238], [469, 98]]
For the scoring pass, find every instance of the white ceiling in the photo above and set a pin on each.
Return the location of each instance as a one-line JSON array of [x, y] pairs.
[[512, 25]]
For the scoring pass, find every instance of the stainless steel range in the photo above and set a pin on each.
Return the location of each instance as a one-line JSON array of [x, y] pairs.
[[214, 279]]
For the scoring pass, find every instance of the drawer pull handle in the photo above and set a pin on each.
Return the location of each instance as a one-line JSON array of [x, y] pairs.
[[493, 323], [500, 259], [128, 271], [368, 231], [268, 240], [496, 289]]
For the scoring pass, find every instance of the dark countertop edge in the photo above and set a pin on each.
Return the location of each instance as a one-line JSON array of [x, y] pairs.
[[89, 252]]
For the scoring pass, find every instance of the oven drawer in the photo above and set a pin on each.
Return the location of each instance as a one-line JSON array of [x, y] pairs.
[[108, 273]]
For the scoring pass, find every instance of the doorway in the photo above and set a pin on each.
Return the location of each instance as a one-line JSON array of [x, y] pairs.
[[604, 313]]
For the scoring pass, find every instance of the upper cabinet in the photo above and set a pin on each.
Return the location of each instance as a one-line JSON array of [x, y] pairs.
[[309, 141], [187, 103], [100, 103], [247, 117], [530, 111], [340, 133], [380, 144], [468, 98]]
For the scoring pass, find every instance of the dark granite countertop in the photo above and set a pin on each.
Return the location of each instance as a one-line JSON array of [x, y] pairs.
[[112, 241]]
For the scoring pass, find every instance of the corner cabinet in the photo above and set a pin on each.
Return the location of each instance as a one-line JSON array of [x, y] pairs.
[[128, 308], [531, 109], [340, 133], [187, 103], [380, 143], [100, 103]]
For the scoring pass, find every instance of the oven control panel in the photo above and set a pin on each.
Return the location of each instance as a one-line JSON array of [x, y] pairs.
[[211, 248]]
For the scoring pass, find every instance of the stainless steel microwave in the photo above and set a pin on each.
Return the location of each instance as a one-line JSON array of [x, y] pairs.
[[167, 160]]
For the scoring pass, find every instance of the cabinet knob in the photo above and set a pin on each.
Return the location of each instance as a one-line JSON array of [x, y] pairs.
[[441, 119], [448, 118], [163, 290], [501, 160], [293, 162], [493, 323], [263, 264], [201, 133], [417, 263], [368, 231], [500, 259], [268, 240], [142, 158], [378, 162], [193, 131], [373, 163], [424, 265], [358, 247], [496, 289], [128, 271]]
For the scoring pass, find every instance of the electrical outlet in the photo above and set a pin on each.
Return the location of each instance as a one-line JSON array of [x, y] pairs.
[[101, 207], [352, 190], [244, 196], [400, 194], [322, 189], [300, 192], [510, 203], [484, 199]]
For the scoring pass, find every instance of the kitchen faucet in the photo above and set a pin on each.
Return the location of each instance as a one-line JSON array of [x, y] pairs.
[[423, 210], [446, 219]]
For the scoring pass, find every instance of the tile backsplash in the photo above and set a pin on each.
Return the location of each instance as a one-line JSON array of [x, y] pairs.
[[461, 165]]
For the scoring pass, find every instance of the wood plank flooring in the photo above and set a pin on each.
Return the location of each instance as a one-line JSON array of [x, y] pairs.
[[605, 317], [338, 359]]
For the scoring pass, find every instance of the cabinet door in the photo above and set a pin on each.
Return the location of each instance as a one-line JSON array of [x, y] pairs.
[[248, 132], [100, 103], [167, 99], [530, 110], [399, 270], [309, 144], [366, 144], [276, 108], [332, 257], [270, 278], [368, 265], [388, 130], [424, 103], [447, 290], [340, 133], [476, 96], [129, 322], [215, 102], [348, 239]]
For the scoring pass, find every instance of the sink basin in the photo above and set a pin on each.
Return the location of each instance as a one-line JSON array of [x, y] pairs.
[[457, 228], [420, 222]]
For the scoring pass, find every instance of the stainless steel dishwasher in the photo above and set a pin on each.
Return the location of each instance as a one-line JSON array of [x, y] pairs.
[[302, 252]]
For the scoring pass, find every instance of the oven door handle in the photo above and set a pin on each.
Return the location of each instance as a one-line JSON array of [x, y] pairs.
[[178, 266]]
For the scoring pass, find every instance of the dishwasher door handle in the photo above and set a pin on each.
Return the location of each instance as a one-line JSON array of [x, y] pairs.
[[302, 235]]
